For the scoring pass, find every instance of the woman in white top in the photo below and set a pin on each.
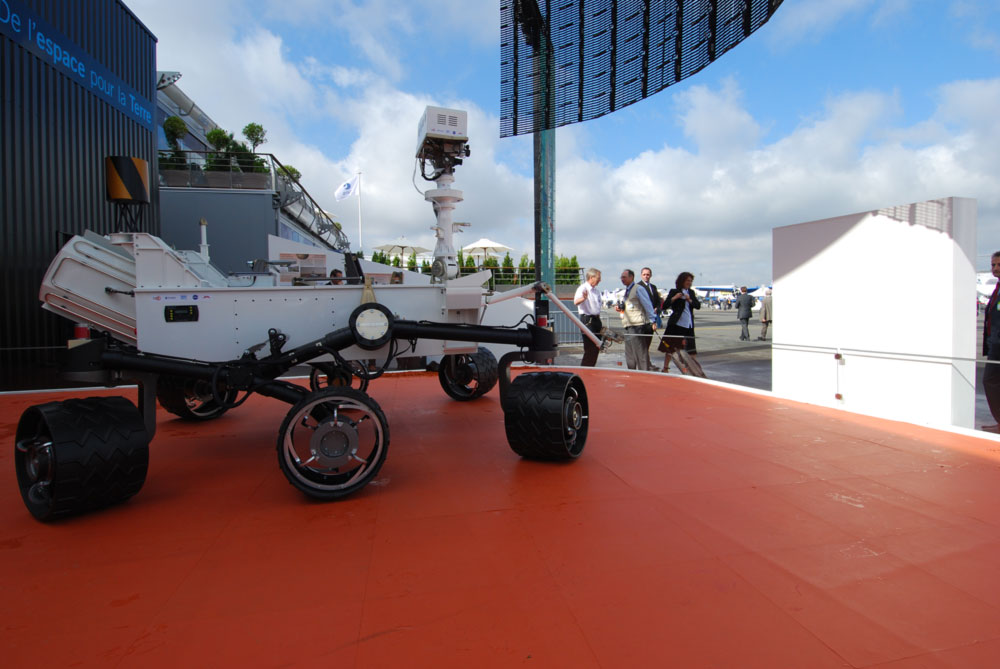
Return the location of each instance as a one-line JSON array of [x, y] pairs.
[[682, 301]]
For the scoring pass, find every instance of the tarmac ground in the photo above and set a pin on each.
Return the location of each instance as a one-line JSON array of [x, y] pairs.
[[725, 358]]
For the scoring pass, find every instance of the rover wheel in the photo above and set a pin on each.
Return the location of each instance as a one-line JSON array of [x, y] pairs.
[[333, 442], [332, 375], [468, 376], [192, 399], [545, 415], [79, 455]]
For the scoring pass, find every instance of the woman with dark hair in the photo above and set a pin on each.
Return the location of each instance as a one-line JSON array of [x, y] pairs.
[[679, 333]]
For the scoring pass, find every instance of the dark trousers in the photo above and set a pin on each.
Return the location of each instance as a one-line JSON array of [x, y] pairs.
[[991, 385], [745, 334], [590, 349]]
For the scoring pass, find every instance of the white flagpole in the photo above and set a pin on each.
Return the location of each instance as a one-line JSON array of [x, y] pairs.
[[360, 245]]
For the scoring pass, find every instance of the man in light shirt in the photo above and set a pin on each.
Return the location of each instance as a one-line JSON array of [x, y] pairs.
[[588, 301], [638, 317]]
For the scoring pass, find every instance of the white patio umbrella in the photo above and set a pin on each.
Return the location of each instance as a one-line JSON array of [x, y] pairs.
[[401, 247], [485, 247]]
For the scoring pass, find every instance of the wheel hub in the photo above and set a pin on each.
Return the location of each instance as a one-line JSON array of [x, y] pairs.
[[197, 395], [38, 466], [333, 444], [38, 458], [340, 378], [574, 415], [464, 374], [573, 412]]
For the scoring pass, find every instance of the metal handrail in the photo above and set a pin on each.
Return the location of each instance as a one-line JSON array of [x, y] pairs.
[[251, 171]]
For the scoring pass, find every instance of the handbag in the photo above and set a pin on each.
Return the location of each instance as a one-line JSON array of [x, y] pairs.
[[671, 344]]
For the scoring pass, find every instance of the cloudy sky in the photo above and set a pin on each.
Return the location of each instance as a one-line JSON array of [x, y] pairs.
[[834, 107]]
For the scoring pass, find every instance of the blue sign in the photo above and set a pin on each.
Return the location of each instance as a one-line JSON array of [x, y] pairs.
[[40, 38]]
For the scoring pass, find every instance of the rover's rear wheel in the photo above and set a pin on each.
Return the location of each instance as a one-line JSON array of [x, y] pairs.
[[468, 376], [546, 415], [192, 399], [333, 442], [332, 375], [79, 455]]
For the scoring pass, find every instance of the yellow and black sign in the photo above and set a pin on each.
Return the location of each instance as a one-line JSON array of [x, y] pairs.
[[127, 179]]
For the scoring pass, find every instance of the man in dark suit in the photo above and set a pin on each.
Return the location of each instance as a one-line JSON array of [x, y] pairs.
[[744, 303], [654, 298], [991, 348], [654, 294]]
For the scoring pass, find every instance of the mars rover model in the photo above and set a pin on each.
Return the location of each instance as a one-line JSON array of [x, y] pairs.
[[200, 342]]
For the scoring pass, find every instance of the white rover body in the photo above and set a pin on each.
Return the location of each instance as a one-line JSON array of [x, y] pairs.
[[174, 303], [200, 342]]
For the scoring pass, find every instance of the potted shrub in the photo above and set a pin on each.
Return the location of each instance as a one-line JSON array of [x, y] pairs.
[[218, 164], [174, 169]]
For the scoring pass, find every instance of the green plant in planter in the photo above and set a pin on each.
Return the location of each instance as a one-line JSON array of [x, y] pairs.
[[174, 129], [246, 161], [255, 134], [290, 172], [492, 263], [507, 273], [221, 141]]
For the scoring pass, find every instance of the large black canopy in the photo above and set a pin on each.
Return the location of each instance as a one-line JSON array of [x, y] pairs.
[[566, 61]]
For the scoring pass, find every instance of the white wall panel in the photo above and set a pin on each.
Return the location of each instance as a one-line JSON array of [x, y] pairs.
[[892, 292]]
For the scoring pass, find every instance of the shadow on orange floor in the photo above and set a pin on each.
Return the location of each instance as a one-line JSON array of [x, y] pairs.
[[702, 526]]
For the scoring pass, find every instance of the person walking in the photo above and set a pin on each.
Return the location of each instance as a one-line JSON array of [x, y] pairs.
[[991, 348], [681, 301], [637, 315], [588, 302], [645, 274], [744, 303], [765, 315]]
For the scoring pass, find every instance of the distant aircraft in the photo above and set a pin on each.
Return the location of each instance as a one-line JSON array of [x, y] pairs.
[[715, 292]]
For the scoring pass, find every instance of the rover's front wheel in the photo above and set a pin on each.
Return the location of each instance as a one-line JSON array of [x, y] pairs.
[[546, 415], [469, 375], [79, 455], [193, 399], [333, 442], [333, 375]]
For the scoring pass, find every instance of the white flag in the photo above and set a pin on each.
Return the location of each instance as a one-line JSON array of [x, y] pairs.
[[346, 189]]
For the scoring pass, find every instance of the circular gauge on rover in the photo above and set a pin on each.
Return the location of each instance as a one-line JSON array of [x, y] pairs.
[[371, 324]]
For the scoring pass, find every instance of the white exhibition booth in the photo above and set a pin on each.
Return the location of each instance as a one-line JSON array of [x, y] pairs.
[[876, 312]]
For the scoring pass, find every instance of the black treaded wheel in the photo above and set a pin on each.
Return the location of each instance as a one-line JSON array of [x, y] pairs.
[[192, 399], [546, 415], [333, 375], [468, 376], [333, 442], [79, 455]]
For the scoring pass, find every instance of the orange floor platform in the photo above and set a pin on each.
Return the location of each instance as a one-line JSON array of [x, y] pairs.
[[702, 527]]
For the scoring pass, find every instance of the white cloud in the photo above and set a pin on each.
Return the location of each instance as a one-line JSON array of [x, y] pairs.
[[675, 210], [716, 122], [708, 208], [808, 20], [387, 31]]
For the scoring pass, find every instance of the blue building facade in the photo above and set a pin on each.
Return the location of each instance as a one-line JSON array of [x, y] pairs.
[[77, 84]]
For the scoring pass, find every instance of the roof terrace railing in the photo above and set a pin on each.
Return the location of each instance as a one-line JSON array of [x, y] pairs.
[[251, 171]]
